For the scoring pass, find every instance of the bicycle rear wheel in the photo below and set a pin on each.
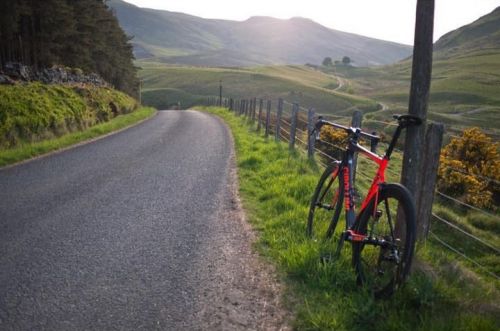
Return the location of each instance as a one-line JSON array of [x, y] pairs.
[[326, 203], [384, 262]]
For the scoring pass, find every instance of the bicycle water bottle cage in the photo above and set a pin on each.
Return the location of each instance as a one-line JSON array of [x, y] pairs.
[[407, 120]]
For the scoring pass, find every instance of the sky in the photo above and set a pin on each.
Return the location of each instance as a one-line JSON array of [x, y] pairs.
[[392, 20]]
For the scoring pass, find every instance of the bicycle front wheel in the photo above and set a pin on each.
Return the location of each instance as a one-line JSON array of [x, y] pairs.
[[326, 203], [384, 260]]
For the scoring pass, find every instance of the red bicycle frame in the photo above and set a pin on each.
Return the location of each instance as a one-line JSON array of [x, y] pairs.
[[346, 171]]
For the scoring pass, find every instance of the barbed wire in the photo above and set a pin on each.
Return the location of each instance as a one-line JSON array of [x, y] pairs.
[[467, 205], [301, 131], [332, 145], [450, 224], [377, 121], [286, 122], [473, 175], [287, 132], [324, 154], [282, 136], [333, 115], [434, 215], [301, 120], [304, 144], [479, 265]]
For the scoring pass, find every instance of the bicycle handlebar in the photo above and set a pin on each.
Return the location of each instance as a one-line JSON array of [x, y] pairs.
[[404, 121], [349, 130]]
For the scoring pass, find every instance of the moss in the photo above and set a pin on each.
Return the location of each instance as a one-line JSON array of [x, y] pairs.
[[34, 111]]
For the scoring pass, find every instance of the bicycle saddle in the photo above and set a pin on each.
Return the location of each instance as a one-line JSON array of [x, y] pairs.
[[407, 120]]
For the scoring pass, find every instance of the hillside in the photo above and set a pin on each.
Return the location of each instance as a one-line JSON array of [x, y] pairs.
[[480, 36], [183, 39], [465, 78], [165, 85]]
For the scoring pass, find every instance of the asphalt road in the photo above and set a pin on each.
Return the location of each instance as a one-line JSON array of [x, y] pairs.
[[124, 233]]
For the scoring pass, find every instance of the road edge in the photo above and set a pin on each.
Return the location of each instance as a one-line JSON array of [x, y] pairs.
[[268, 270], [81, 143]]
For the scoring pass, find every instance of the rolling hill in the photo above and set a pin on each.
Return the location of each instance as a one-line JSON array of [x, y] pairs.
[[465, 78], [165, 85], [183, 39], [480, 36]]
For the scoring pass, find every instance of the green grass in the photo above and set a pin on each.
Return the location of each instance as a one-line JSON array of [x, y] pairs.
[[275, 185], [464, 89], [29, 150], [32, 112], [169, 98]]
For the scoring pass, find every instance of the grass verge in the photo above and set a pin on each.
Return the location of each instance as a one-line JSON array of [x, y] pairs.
[[29, 150], [276, 186]]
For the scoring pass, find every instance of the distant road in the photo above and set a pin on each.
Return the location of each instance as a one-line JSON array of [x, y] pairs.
[[139, 230]]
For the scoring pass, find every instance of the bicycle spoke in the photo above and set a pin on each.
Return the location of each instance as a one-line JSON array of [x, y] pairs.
[[383, 262], [327, 197], [389, 217]]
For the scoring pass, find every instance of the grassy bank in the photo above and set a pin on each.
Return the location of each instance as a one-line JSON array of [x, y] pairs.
[[28, 150], [276, 186], [31, 112]]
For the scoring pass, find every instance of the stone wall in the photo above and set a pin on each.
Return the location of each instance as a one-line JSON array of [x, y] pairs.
[[14, 71]]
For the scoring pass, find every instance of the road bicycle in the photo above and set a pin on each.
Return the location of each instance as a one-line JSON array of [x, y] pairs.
[[382, 233]]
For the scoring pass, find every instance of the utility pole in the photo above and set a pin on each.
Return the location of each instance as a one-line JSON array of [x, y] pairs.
[[220, 93], [419, 97]]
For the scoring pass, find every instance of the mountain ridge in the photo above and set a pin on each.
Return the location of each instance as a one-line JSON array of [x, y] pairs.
[[180, 38]]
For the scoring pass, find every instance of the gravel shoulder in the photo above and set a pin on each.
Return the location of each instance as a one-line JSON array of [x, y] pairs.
[[244, 291]]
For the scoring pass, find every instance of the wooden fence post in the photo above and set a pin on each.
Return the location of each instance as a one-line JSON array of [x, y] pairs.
[[357, 118], [293, 125], [254, 108], [430, 166], [419, 96], [231, 104], [268, 117], [246, 107], [259, 118], [310, 138], [278, 120], [220, 93]]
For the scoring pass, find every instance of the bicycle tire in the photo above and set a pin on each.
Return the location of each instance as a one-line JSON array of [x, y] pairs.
[[384, 269], [329, 196]]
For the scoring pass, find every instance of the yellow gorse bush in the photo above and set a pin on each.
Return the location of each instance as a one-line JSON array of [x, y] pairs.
[[470, 169]]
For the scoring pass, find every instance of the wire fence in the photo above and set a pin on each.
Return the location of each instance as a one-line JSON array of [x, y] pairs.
[[293, 125]]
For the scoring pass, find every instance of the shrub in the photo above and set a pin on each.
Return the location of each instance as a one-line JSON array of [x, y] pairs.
[[470, 169], [335, 137]]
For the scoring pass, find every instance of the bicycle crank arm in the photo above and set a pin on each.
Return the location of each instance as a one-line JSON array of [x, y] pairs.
[[352, 236]]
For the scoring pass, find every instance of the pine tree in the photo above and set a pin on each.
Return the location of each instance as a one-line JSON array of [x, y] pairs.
[[77, 33]]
